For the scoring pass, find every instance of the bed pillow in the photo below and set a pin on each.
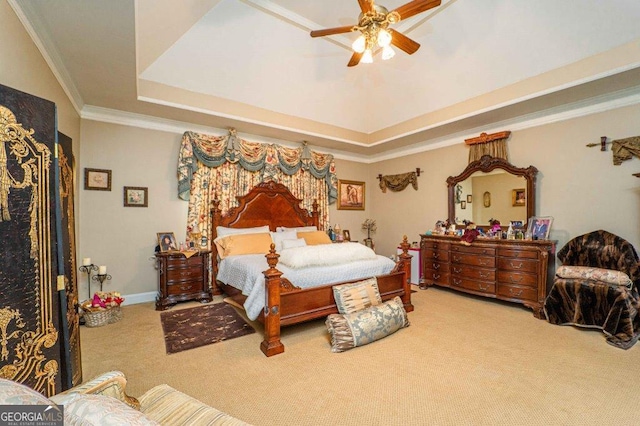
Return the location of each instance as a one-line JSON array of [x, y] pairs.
[[298, 242], [366, 326], [222, 231], [233, 245], [279, 237], [357, 296], [315, 237], [297, 229], [609, 276]]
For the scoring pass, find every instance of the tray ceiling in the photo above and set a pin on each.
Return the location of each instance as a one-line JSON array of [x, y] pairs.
[[252, 65]]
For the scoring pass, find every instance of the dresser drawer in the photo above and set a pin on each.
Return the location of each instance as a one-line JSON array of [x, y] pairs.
[[519, 265], [181, 261], [473, 272], [485, 251], [517, 292], [182, 274], [434, 245], [519, 278], [441, 255], [435, 266], [473, 259], [184, 288], [438, 277], [518, 253], [474, 285]]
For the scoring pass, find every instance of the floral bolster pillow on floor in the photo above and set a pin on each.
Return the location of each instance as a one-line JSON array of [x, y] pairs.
[[365, 326]]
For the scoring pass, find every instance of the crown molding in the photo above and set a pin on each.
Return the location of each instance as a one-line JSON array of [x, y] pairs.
[[49, 53], [587, 107]]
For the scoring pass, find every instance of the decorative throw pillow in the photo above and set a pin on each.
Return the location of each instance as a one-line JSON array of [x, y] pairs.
[[357, 296], [366, 326], [315, 237], [103, 410], [279, 237], [222, 231], [233, 245], [298, 242], [609, 276]]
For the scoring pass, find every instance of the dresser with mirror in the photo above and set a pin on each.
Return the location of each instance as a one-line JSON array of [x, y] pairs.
[[514, 270]]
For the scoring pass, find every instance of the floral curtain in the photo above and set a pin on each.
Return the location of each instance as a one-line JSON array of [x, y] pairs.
[[225, 167]]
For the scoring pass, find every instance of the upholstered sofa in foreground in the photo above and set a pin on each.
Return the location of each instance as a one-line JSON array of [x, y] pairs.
[[103, 401]]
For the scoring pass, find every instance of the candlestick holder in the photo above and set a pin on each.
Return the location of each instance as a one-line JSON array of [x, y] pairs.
[[88, 269], [101, 278]]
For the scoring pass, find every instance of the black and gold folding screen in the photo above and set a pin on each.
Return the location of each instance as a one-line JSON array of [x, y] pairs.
[[30, 330]]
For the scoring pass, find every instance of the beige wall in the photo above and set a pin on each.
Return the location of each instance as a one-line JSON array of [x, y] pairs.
[[22, 67], [579, 186]]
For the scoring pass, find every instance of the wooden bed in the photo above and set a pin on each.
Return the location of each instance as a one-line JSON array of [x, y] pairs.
[[272, 204]]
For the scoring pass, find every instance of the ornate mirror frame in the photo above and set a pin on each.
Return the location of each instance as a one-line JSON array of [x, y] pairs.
[[487, 164]]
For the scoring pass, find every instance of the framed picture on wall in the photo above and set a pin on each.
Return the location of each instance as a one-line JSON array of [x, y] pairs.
[[97, 179], [518, 197], [136, 196], [350, 195]]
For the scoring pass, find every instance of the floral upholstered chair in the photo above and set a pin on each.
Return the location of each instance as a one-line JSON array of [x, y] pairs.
[[597, 287]]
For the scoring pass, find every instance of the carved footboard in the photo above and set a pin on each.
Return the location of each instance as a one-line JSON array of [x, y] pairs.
[[286, 304]]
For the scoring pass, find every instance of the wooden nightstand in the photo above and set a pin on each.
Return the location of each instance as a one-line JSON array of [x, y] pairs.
[[181, 278]]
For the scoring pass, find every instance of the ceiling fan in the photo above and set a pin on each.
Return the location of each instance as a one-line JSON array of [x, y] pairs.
[[374, 23]]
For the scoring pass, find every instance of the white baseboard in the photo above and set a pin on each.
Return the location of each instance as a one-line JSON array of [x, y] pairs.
[[133, 299]]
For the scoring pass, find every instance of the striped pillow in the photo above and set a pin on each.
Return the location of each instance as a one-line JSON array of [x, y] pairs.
[[357, 296]]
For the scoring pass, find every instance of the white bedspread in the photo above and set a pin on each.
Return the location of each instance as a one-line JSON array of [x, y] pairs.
[[245, 272]]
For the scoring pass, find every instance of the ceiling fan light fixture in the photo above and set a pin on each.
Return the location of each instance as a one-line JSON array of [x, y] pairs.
[[388, 53], [367, 57], [384, 38], [359, 45]]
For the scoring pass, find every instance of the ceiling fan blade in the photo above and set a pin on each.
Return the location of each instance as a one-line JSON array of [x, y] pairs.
[[331, 31], [414, 7], [366, 5], [355, 59], [403, 42]]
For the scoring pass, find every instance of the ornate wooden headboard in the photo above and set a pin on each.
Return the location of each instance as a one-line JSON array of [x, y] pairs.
[[268, 203]]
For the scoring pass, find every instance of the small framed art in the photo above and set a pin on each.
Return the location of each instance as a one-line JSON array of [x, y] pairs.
[[350, 195], [136, 196], [346, 235], [518, 197], [167, 242], [463, 205], [469, 198], [97, 179], [539, 227]]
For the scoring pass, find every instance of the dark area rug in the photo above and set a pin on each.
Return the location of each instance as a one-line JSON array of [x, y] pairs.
[[203, 325]]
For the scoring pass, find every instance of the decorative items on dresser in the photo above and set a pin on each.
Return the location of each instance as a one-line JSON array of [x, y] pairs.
[[182, 276], [511, 270]]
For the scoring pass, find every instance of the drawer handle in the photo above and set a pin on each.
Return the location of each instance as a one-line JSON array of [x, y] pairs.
[[184, 273], [484, 262], [436, 276], [485, 251], [457, 259], [185, 287], [483, 288], [436, 266], [457, 282], [484, 274], [436, 255], [515, 281], [516, 267], [513, 293], [456, 270]]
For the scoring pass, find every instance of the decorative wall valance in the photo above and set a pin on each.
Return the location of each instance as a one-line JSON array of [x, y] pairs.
[[494, 144], [267, 159], [625, 149], [397, 183]]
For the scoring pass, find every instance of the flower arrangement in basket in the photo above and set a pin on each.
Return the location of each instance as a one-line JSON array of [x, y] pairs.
[[103, 309]]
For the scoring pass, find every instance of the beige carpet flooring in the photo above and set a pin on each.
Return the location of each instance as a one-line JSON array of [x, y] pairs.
[[463, 361]]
